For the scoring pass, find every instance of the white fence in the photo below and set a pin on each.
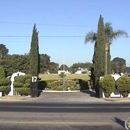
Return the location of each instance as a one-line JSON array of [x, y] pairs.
[[114, 95]]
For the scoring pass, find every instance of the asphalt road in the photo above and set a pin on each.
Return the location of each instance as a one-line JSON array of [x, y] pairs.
[[36, 114]]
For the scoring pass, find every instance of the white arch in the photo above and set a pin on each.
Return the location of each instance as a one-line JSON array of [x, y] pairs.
[[12, 80]]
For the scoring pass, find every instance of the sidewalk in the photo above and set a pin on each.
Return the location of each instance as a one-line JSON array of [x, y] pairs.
[[15, 98]]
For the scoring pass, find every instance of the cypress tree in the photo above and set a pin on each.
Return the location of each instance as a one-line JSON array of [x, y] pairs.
[[99, 54], [34, 53]]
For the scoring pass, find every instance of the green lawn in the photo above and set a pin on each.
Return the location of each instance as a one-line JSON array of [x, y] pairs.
[[46, 77]]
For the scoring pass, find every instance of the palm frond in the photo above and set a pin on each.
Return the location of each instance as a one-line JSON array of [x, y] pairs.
[[118, 33], [108, 31], [113, 34], [90, 37], [108, 26]]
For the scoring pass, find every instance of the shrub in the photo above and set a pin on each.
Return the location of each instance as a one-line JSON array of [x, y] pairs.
[[23, 91], [22, 84], [26, 85], [124, 93], [4, 88], [107, 83], [4, 85], [18, 84], [50, 81], [62, 75], [28, 80], [123, 85], [70, 83], [2, 73], [54, 84], [4, 82], [22, 78], [58, 85], [58, 88]]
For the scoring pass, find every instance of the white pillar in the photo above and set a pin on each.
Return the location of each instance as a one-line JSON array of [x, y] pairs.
[[12, 89]]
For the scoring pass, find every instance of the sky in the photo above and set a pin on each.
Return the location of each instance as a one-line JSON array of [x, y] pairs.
[[62, 26]]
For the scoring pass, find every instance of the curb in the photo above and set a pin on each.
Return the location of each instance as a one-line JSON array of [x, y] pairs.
[[51, 91], [117, 99], [67, 91]]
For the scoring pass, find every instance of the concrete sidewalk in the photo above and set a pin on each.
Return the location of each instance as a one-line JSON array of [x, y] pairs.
[[14, 98]]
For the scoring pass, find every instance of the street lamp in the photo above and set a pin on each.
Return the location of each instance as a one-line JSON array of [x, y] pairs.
[[106, 52]]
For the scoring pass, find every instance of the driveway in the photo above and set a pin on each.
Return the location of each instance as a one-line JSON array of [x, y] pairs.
[[86, 96]]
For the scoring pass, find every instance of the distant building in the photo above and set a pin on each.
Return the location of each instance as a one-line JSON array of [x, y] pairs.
[[63, 69], [82, 71]]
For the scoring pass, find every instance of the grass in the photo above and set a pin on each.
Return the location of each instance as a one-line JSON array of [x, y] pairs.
[[46, 77]]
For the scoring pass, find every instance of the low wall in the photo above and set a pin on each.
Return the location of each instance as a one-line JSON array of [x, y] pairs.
[[114, 95]]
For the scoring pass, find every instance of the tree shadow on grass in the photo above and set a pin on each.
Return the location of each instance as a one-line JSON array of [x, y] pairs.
[[119, 121]]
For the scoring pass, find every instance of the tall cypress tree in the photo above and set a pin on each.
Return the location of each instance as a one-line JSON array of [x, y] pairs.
[[99, 53], [34, 53]]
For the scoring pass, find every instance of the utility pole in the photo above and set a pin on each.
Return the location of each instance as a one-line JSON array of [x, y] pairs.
[[63, 62], [63, 69]]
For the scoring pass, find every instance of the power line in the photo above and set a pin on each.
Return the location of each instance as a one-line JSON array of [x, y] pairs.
[[41, 36], [48, 36], [46, 24]]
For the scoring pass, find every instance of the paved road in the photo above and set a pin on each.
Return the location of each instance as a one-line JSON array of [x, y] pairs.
[[66, 113]]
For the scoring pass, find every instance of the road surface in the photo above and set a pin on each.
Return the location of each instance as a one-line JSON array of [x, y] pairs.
[[72, 115]]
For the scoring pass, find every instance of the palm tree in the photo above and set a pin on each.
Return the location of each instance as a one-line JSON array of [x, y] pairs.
[[110, 35]]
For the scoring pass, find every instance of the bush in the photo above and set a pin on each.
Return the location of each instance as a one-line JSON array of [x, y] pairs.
[[18, 84], [58, 85], [4, 81], [28, 80], [4, 88], [54, 84], [58, 88], [124, 93], [22, 84], [23, 91], [50, 81], [26, 85], [123, 85], [2, 73], [22, 78], [107, 83], [4, 85]]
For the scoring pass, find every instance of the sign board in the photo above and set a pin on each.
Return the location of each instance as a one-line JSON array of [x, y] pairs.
[[34, 78]]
